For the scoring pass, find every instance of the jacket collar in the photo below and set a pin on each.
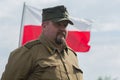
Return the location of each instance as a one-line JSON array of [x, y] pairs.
[[50, 45]]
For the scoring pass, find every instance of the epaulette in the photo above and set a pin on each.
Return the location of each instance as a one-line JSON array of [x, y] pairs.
[[30, 44], [72, 51]]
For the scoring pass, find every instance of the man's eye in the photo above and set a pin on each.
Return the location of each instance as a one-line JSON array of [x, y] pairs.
[[65, 24], [62, 24]]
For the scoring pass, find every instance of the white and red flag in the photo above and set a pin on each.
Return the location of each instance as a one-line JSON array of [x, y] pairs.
[[78, 34]]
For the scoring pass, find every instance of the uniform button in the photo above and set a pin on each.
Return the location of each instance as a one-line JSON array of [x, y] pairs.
[[67, 73]]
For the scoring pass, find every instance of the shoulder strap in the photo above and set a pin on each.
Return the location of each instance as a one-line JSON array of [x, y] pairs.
[[32, 43]]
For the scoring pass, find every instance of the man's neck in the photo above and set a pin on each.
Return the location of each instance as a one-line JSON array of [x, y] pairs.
[[60, 47]]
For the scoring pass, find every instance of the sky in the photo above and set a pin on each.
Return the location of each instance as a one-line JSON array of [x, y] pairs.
[[103, 59]]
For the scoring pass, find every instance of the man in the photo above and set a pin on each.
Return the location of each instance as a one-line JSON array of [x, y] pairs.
[[49, 57]]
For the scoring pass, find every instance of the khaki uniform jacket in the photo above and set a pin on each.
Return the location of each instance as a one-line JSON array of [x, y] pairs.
[[41, 60]]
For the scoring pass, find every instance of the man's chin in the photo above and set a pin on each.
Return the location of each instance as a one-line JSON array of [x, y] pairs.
[[60, 41]]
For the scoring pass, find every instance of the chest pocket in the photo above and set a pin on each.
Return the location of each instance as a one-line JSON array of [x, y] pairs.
[[48, 70], [78, 72], [73, 71]]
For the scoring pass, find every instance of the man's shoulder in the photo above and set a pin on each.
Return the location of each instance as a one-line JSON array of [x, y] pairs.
[[25, 48], [31, 44]]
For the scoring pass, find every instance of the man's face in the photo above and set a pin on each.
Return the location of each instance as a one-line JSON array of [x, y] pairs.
[[56, 31]]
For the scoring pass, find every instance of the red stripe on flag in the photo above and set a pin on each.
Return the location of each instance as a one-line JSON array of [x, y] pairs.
[[30, 32], [77, 40]]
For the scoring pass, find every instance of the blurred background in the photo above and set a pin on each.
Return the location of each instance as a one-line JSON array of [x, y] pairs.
[[102, 62]]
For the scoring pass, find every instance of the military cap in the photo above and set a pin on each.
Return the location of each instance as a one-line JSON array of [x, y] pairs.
[[56, 14]]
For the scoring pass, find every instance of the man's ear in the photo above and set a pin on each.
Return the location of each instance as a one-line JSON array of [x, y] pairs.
[[45, 24]]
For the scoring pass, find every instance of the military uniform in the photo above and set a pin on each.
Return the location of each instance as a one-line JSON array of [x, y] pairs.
[[41, 60]]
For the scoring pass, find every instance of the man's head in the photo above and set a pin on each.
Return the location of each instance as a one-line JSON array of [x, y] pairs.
[[56, 14], [54, 22]]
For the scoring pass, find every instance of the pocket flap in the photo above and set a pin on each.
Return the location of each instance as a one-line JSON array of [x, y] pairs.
[[77, 68], [47, 64]]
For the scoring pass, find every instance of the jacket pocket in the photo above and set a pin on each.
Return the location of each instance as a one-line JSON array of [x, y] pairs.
[[49, 70]]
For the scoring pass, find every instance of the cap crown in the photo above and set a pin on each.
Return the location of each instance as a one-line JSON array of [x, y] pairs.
[[54, 13]]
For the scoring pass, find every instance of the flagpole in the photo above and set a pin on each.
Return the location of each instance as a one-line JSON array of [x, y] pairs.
[[21, 26]]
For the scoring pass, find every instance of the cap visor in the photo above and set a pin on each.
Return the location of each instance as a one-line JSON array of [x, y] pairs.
[[63, 19]]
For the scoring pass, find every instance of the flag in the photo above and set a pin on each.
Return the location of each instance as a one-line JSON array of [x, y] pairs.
[[78, 34]]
